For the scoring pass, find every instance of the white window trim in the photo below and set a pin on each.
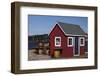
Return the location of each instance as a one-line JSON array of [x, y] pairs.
[[83, 41], [68, 42], [55, 41]]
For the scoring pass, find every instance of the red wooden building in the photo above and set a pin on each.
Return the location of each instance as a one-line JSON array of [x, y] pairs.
[[67, 40]]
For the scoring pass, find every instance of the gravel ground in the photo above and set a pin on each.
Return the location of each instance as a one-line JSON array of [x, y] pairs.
[[33, 56]]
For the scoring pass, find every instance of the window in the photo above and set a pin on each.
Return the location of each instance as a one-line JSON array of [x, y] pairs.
[[70, 41], [82, 41], [57, 41]]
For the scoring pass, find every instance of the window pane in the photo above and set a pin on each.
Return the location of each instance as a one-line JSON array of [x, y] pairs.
[[58, 41], [81, 41], [70, 41]]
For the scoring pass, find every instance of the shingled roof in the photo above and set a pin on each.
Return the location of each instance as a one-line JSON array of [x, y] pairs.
[[71, 29]]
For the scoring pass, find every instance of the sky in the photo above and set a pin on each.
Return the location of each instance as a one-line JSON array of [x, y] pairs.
[[42, 24]]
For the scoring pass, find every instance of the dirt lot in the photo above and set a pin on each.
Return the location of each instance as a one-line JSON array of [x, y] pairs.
[[34, 56]]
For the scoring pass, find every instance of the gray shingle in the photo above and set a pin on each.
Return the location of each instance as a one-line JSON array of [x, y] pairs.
[[71, 29]]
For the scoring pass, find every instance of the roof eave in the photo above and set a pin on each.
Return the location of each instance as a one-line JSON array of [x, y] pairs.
[[75, 35]]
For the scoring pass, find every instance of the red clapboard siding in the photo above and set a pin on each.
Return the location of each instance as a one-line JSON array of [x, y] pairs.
[[66, 52]]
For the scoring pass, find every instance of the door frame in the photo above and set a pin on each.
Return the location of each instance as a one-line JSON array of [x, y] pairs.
[[78, 47]]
